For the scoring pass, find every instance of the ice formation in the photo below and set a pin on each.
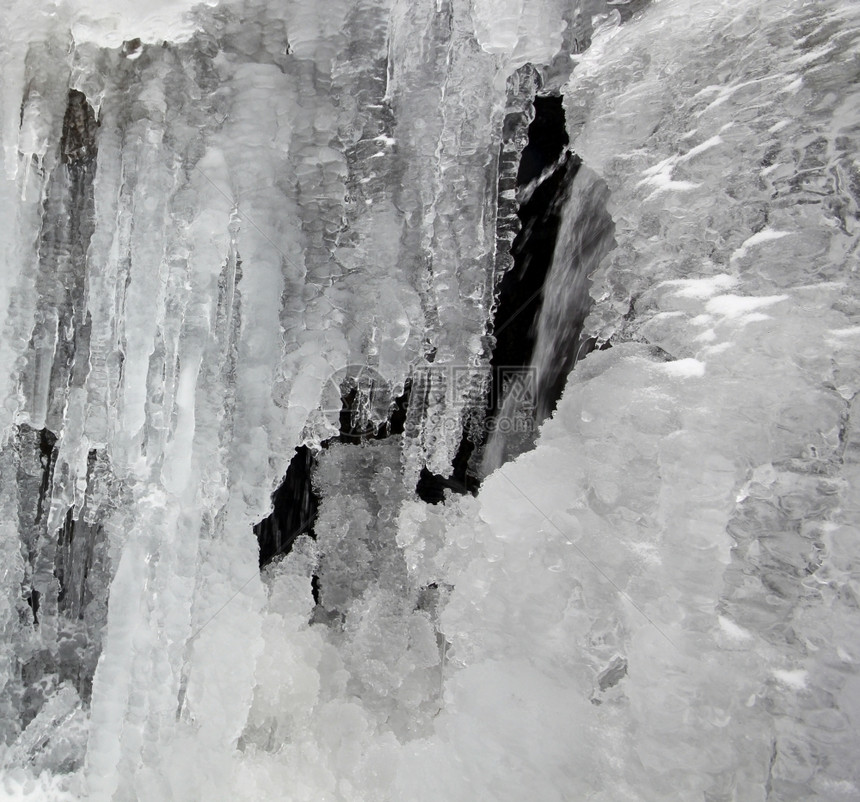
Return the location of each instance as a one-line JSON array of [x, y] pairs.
[[221, 217]]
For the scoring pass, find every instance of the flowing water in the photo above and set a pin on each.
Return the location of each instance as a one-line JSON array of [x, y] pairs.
[[585, 237]]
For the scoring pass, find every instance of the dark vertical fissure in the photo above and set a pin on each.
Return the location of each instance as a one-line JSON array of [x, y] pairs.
[[294, 507], [545, 172], [544, 176], [65, 566]]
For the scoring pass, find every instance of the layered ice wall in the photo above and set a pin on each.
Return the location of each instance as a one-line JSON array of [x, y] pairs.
[[659, 602], [210, 217]]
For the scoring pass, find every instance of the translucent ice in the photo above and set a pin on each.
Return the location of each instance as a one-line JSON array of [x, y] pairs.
[[208, 226]]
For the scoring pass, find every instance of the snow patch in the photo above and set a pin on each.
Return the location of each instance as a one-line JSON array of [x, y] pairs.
[[684, 368], [738, 306], [702, 287], [731, 629], [765, 235], [849, 331], [706, 145], [796, 679], [717, 349]]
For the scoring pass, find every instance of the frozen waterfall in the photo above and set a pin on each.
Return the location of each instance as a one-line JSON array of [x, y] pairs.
[[259, 348]]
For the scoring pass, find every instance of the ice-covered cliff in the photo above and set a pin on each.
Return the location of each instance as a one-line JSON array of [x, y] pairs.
[[240, 228]]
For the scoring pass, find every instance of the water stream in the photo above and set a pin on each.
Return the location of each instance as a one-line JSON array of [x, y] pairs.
[[585, 236]]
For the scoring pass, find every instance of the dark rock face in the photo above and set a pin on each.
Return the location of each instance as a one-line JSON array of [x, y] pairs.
[[63, 605], [78, 145], [65, 575], [294, 507], [546, 172], [612, 674]]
